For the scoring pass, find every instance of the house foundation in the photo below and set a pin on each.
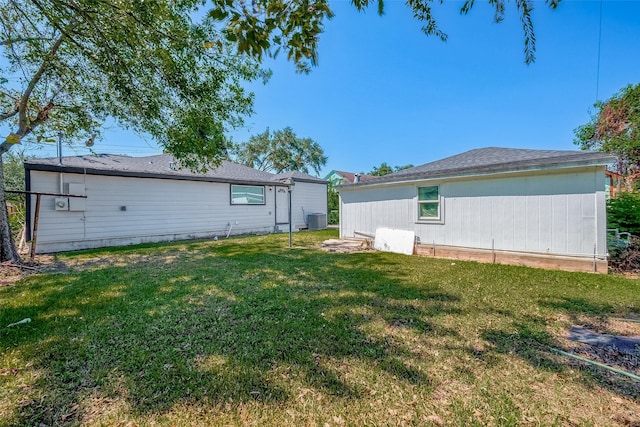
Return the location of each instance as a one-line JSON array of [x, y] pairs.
[[528, 259]]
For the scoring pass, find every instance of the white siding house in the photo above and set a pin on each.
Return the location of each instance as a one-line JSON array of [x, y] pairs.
[[517, 204], [136, 200]]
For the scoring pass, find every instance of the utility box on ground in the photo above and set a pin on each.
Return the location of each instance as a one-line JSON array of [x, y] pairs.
[[317, 221]]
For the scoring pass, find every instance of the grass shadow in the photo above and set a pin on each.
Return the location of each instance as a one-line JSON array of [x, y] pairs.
[[246, 324]]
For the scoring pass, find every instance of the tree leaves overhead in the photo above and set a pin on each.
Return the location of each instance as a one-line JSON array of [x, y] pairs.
[[145, 63], [264, 27], [281, 151], [615, 128], [385, 169]]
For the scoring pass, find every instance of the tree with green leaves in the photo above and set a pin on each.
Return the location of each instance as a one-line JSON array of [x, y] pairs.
[[615, 128], [333, 204], [280, 151], [265, 27], [13, 168], [385, 169], [69, 65], [623, 212]]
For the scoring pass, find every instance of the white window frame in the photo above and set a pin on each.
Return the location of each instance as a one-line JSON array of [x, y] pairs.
[[237, 203], [437, 202]]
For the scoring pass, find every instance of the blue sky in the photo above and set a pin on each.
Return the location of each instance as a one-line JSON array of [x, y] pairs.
[[384, 92]]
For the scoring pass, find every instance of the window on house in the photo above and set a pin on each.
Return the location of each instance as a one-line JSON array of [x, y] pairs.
[[247, 195], [428, 202]]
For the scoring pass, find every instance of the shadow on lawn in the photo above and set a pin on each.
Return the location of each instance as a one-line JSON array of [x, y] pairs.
[[235, 323], [529, 340], [575, 307]]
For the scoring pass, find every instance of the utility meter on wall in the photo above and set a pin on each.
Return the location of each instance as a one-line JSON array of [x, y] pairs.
[[62, 203]]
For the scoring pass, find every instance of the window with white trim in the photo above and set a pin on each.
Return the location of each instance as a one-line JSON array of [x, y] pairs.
[[247, 195], [429, 203]]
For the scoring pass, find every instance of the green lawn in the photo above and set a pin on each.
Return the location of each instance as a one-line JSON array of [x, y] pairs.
[[247, 331]]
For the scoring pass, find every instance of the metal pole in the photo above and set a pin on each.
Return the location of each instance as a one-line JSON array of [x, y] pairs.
[[32, 253], [59, 148], [290, 225]]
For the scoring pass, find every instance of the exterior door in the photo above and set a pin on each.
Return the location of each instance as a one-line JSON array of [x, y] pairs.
[[282, 205]]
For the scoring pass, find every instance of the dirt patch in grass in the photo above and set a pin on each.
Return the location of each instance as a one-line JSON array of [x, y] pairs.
[[11, 273], [345, 246]]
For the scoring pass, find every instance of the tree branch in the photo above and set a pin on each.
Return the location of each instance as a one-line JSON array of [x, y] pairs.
[[115, 62], [8, 42], [23, 124], [136, 19], [23, 23], [8, 115]]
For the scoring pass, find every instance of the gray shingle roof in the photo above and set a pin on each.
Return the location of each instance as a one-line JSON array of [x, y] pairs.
[[493, 159], [160, 166]]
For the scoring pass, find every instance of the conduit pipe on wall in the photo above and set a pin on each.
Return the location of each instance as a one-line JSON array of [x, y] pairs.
[[230, 227]]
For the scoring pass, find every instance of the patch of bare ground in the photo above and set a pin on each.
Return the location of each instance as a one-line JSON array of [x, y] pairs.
[[11, 273], [346, 245]]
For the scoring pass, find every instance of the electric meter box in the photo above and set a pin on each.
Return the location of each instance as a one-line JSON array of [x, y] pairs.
[[61, 203]]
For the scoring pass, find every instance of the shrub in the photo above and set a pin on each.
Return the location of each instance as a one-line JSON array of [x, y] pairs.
[[334, 217], [623, 213], [333, 206]]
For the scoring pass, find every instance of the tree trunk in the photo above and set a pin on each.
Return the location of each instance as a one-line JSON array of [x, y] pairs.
[[8, 250]]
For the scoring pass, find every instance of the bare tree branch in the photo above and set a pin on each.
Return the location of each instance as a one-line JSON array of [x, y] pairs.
[[24, 127], [27, 18], [8, 115], [9, 42]]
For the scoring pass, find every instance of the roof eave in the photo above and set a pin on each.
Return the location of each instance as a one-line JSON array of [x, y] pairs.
[[138, 174], [476, 172]]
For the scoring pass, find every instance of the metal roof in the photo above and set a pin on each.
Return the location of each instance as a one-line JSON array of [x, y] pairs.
[[160, 166], [493, 160]]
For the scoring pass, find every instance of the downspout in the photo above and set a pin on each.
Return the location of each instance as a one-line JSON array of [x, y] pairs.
[[290, 225], [340, 222]]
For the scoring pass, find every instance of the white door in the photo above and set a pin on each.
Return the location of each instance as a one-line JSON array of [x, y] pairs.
[[282, 205]]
